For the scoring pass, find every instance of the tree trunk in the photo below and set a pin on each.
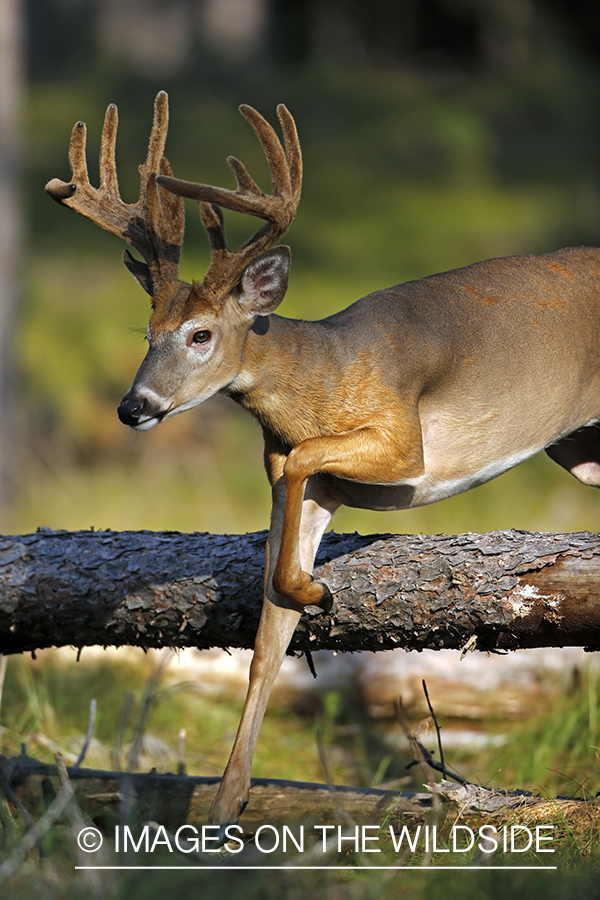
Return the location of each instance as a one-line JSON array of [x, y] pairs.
[[498, 591], [11, 86]]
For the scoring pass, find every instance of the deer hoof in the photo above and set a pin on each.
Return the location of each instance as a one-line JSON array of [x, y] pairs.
[[222, 836], [326, 601]]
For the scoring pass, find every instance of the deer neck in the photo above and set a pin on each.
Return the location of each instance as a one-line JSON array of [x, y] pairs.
[[283, 367]]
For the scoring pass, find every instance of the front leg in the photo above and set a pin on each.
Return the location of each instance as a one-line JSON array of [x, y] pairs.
[[390, 454], [277, 624]]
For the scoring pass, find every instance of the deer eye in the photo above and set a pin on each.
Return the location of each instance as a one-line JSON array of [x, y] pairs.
[[201, 337]]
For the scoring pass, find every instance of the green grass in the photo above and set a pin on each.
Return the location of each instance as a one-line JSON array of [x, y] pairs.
[[560, 759], [552, 747], [45, 706]]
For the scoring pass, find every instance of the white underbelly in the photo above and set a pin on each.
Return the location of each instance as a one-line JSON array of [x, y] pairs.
[[437, 483], [457, 458]]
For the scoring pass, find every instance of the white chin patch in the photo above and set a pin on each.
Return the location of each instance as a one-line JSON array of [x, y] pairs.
[[147, 424]]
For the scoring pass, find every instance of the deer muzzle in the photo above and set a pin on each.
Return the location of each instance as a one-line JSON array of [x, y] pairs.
[[139, 412]]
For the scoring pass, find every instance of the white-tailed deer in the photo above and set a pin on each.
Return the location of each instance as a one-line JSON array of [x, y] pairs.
[[410, 395]]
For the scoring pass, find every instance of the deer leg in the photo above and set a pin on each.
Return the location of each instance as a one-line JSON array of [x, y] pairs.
[[370, 454], [579, 453], [277, 624]]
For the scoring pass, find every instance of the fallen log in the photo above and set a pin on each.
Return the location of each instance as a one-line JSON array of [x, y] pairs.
[[175, 800], [498, 591], [108, 798]]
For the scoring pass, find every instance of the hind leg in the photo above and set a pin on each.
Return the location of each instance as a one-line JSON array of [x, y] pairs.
[[579, 453]]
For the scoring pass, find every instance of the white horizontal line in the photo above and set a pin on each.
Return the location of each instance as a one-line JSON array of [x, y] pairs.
[[285, 868]]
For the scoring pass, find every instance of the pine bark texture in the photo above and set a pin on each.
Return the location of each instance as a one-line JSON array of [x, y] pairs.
[[499, 591]]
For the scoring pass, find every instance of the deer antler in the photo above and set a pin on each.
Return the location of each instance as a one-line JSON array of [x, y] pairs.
[[154, 225], [277, 209]]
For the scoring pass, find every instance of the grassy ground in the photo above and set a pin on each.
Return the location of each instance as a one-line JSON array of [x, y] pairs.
[[552, 749]]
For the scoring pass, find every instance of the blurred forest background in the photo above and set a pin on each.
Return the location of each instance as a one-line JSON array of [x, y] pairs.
[[435, 133]]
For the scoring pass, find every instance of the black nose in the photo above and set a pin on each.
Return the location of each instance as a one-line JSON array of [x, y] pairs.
[[130, 411]]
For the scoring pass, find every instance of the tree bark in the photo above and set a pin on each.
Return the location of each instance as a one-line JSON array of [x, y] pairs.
[[499, 591]]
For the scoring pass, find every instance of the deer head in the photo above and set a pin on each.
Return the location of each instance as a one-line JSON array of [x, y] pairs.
[[196, 332]]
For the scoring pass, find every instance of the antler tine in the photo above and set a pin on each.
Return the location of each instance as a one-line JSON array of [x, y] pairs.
[[77, 157], [278, 164], [108, 144], [153, 225], [158, 139], [277, 209], [292, 149], [212, 219], [245, 182]]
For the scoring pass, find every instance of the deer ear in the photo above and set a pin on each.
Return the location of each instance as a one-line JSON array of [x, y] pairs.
[[139, 270], [265, 281]]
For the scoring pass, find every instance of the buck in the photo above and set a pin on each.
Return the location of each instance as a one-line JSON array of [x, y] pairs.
[[410, 395]]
